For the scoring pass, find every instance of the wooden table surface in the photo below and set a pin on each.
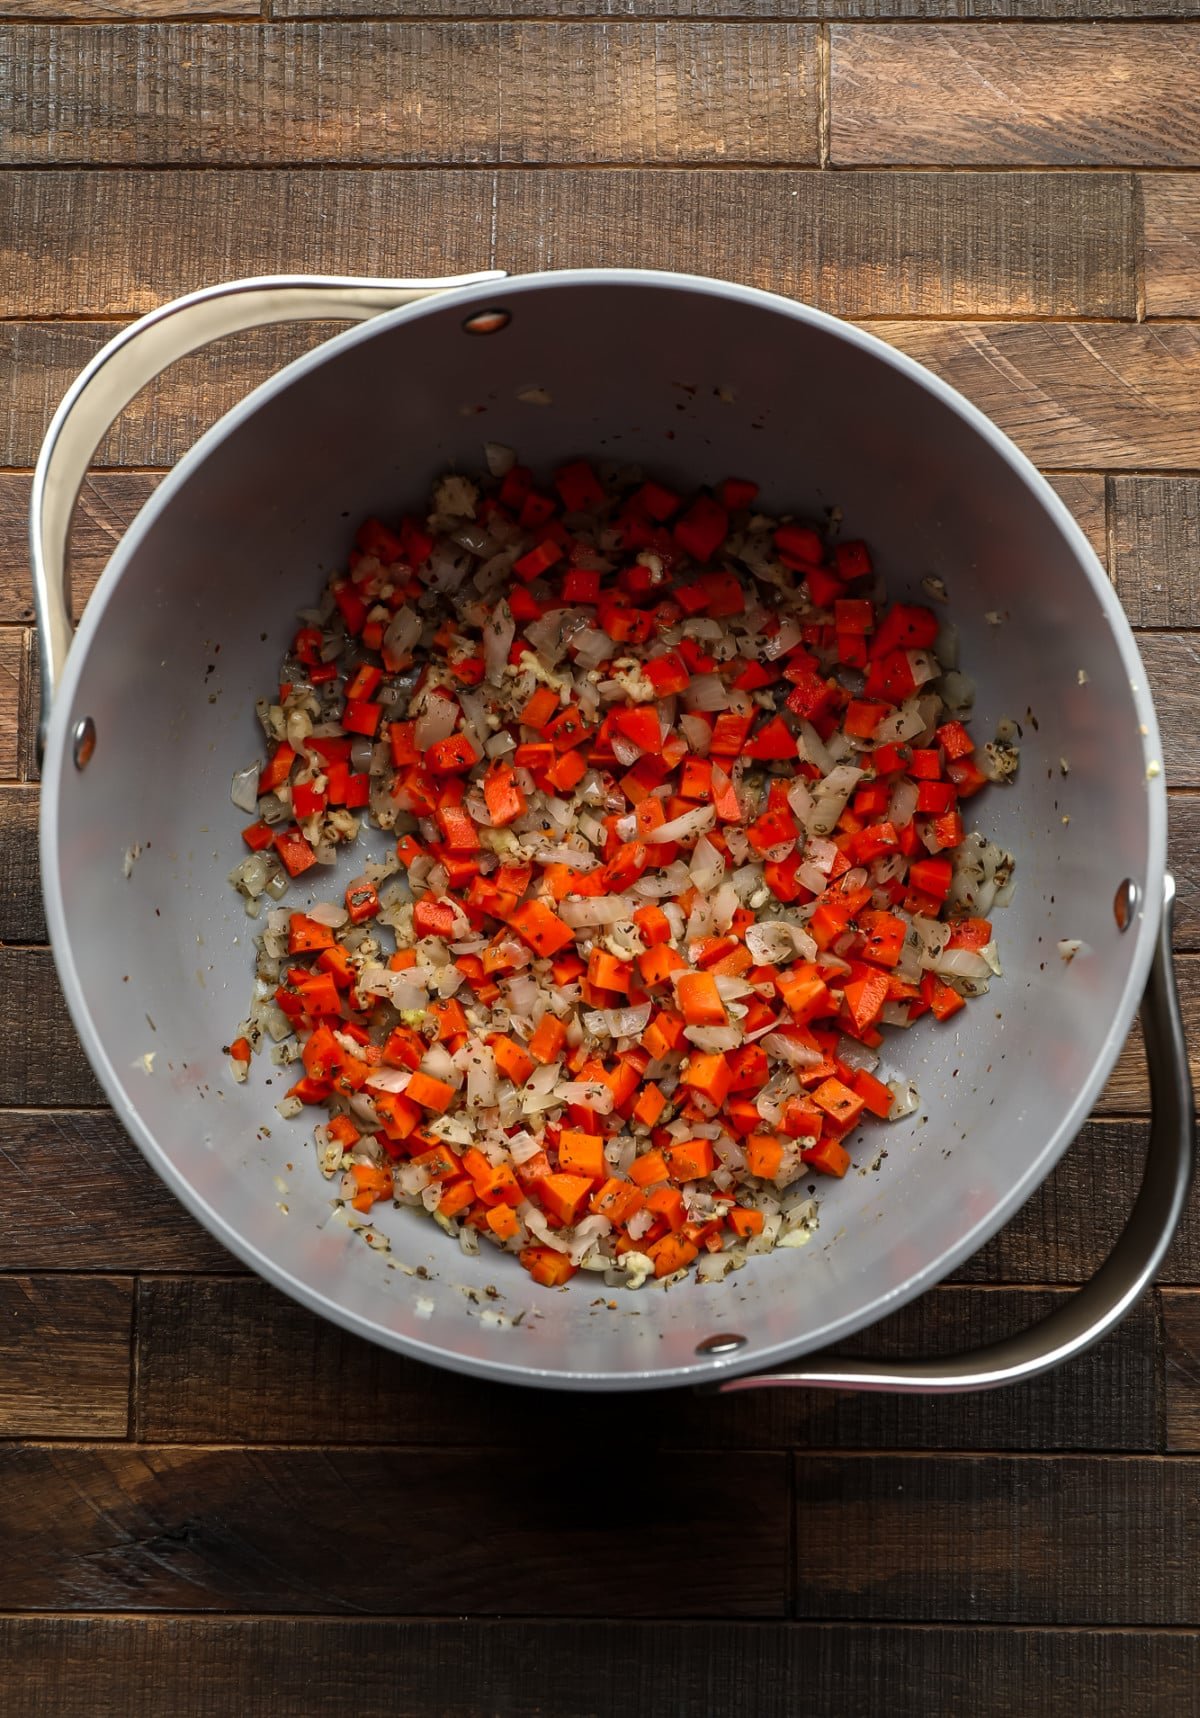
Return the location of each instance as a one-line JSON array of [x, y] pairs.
[[209, 1501]]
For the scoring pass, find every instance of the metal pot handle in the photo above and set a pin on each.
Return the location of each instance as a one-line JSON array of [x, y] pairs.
[[1103, 1302], [131, 360]]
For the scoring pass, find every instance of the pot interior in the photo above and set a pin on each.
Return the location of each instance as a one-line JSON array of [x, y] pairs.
[[696, 382]]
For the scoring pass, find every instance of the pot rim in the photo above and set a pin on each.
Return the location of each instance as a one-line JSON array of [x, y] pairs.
[[751, 1357]]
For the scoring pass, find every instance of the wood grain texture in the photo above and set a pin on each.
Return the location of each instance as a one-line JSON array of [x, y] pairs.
[[12, 646], [1070, 1225], [1183, 846], [1156, 546], [375, 93], [1074, 396], [69, 240], [33, 1017], [42, 11], [77, 1195], [250, 1344], [828, 10], [372, 1532], [108, 505], [892, 244], [988, 1539], [1181, 1353], [64, 1354], [1171, 227], [22, 918], [1034, 95], [1085, 493], [1171, 660], [163, 421], [32, 1014], [1021, 244], [140, 1667]]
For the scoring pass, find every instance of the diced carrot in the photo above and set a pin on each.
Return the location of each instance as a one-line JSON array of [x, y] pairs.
[[513, 1062], [565, 1195], [828, 1156], [450, 1018], [764, 1155], [581, 1154], [548, 1038], [710, 1076], [546, 1266], [700, 1000], [667, 1203], [653, 926], [648, 1169], [430, 1093], [874, 1094], [541, 928], [658, 963], [744, 1222], [503, 1222], [838, 1101], [673, 1253], [690, 1160], [650, 1105], [455, 1198], [617, 1200]]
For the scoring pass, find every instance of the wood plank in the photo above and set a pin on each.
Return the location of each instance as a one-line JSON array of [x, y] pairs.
[[140, 1667], [77, 1194], [969, 244], [108, 505], [1181, 1353], [163, 421], [1074, 396], [64, 1355], [1055, 11], [367, 1532], [999, 1540], [21, 916], [73, 249], [1171, 660], [165, 94], [11, 652], [1007, 95], [1070, 1225], [250, 1344], [1171, 240], [39, 11], [1183, 846], [892, 244], [1156, 546], [1085, 494], [1127, 1091], [33, 1017]]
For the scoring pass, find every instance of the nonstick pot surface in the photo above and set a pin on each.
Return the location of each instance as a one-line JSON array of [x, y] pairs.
[[696, 381]]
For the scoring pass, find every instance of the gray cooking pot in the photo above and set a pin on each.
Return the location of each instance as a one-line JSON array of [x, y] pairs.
[[149, 711]]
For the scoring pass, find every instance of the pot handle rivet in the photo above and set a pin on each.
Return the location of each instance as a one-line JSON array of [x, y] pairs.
[[1126, 903], [83, 742], [487, 321], [727, 1342]]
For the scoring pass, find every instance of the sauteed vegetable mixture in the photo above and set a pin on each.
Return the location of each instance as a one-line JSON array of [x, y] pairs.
[[674, 812]]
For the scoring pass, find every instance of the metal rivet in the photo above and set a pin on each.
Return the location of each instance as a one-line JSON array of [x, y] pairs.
[[1125, 903], [487, 322], [83, 742], [726, 1344]]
